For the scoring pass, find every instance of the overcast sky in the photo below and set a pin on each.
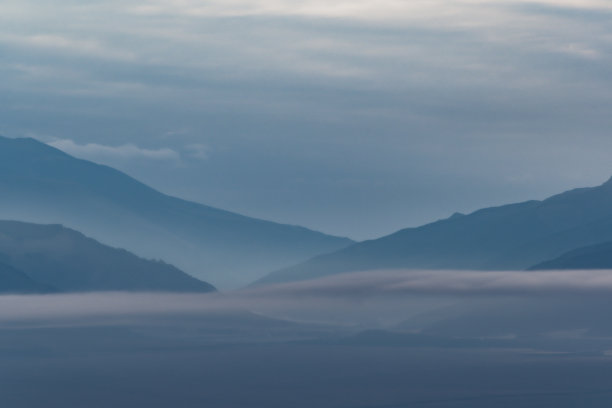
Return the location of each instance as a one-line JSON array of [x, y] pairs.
[[354, 117]]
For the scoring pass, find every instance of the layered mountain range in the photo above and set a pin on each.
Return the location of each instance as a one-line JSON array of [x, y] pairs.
[[42, 184], [509, 237]]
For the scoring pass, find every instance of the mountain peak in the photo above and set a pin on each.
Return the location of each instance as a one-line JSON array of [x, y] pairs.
[[608, 183]]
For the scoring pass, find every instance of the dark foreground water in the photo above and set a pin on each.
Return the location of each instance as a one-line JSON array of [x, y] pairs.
[[149, 351], [162, 366]]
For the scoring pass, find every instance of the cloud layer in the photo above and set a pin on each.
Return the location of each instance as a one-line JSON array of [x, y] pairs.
[[349, 296], [319, 112], [390, 283]]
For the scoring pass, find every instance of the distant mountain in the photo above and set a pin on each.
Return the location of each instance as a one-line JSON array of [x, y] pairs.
[[44, 185], [590, 257], [509, 237], [42, 257], [15, 281]]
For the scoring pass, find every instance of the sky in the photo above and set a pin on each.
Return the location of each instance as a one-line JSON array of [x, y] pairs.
[[356, 118]]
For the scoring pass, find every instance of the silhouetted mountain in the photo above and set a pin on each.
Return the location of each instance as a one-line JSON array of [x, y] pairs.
[[13, 280], [65, 259], [590, 257], [510, 237], [44, 185]]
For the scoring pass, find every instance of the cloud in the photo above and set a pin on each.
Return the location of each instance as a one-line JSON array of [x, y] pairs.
[[357, 9], [70, 306], [68, 45], [94, 151], [389, 283], [342, 291]]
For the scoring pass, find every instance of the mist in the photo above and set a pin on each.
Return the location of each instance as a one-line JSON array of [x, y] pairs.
[[362, 300], [372, 339]]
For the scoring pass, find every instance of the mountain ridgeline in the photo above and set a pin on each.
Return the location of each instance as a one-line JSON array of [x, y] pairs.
[[12, 280], [41, 184], [50, 258], [510, 237], [597, 256]]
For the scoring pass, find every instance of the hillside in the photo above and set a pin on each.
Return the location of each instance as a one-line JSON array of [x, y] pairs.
[[514, 236], [590, 257], [51, 256], [44, 185], [14, 281]]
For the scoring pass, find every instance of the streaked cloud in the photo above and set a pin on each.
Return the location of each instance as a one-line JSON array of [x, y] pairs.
[[96, 152], [321, 111], [65, 44], [359, 9], [389, 283], [345, 292]]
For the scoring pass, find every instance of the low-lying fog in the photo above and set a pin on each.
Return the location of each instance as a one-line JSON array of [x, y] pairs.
[[373, 339]]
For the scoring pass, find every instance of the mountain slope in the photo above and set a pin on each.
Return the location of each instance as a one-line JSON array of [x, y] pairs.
[[590, 257], [14, 281], [514, 236], [67, 260], [44, 185]]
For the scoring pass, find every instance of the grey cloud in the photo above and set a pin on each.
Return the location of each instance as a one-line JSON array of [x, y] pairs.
[[589, 14], [373, 284], [97, 152], [74, 306], [372, 289], [320, 114]]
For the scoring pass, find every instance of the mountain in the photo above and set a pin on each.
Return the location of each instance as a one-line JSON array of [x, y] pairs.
[[590, 257], [510, 237], [44, 185], [15, 281], [58, 257]]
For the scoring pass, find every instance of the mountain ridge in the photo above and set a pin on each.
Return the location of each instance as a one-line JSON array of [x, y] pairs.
[[66, 260], [42, 184], [14, 281], [598, 256], [511, 237]]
